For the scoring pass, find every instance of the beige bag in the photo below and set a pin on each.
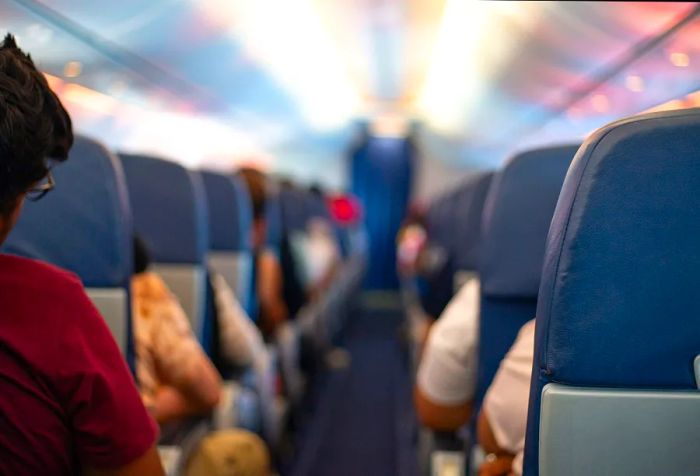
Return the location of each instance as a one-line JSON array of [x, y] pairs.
[[230, 453]]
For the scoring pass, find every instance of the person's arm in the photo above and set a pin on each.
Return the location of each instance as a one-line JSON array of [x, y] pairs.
[[269, 284], [148, 464], [440, 417], [447, 372], [238, 334], [171, 404], [499, 461], [191, 384]]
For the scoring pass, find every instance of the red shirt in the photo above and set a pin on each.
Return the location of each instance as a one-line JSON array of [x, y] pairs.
[[67, 398]]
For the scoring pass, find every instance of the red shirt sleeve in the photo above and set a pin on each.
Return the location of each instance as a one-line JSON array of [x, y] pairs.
[[111, 426]]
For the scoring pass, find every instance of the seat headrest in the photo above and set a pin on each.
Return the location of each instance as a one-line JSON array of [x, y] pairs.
[[468, 207], [273, 218], [230, 213], [294, 208], [619, 297], [84, 224], [169, 208], [516, 218]]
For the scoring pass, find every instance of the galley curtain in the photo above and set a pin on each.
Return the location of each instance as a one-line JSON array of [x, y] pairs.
[[381, 176]]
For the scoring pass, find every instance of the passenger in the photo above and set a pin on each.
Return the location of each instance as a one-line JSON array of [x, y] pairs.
[[319, 257], [446, 377], [269, 278], [68, 402], [411, 241], [176, 378], [503, 417], [241, 343]]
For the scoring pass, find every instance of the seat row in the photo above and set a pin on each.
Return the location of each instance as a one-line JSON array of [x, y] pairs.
[[598, 243], [193, 222]]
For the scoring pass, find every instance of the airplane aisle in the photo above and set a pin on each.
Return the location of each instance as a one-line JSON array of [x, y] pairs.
[[364, 423]]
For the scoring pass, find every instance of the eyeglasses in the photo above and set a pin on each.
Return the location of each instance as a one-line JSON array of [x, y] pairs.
[[38, 191]]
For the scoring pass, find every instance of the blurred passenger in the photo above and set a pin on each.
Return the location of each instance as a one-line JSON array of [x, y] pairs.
[[411, 242], [318, 255], [240, 340], [447, 371], [269, 280], [68, 403], [176, 378], [503, 418]]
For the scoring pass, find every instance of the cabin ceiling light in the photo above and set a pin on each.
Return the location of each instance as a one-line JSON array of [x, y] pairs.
[[72, 69], [634, 83], [681, 60], [291, 42], [600, 103]]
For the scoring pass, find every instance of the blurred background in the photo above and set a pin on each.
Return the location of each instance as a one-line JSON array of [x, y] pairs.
[[291, 85]]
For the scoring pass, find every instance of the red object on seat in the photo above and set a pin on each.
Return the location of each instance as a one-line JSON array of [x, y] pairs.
[[345, 209]]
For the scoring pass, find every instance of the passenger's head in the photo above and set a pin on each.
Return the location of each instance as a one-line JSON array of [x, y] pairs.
[[34, 129], [256, 183], [142, 258]]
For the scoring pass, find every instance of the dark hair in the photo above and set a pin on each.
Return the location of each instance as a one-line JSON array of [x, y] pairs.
[[142, 258], [34, 126], [257, 187]]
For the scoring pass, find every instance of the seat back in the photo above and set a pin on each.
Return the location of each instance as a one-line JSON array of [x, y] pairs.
[[516, 219], [230, 220], [614, 388], [170, 214], [84, 226], [467, 210]]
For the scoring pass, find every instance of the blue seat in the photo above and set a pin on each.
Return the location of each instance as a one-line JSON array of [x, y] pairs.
[[230, 220], [467, 210], [516, 219], [614, 388], [454, 227], [170, 214], [439, 285], [84, 226]]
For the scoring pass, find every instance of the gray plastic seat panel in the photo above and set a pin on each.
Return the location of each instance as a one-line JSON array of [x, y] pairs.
[[113, 305], [188, 284], [616, 431]]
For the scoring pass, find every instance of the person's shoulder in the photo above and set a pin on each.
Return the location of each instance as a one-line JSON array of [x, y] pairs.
[[35, 273]]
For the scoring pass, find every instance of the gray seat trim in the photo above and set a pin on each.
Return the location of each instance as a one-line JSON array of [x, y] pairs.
[[586, 431], [235, 267], [113, 305], [188, 284]]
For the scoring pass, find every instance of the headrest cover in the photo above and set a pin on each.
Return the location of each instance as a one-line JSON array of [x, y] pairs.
[[516, 219], [295, 209], [468, 207], [230, 212], [273, 218], [169, 209], [84, 224], [619, 297]]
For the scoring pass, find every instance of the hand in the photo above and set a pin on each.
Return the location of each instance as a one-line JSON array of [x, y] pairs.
[[496, 465]]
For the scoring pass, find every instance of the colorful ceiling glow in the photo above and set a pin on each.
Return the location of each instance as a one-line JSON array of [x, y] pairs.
[[284, 82]]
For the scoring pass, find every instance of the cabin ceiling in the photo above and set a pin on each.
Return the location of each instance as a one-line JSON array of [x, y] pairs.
[[286, 81]]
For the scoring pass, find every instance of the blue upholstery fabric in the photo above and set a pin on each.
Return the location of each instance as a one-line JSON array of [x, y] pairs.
[[295, 209], [84, 224], [618, 304], [169, 209], [516, 218], [230, 214], [273, 218], [517, 215], [468, 207]]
